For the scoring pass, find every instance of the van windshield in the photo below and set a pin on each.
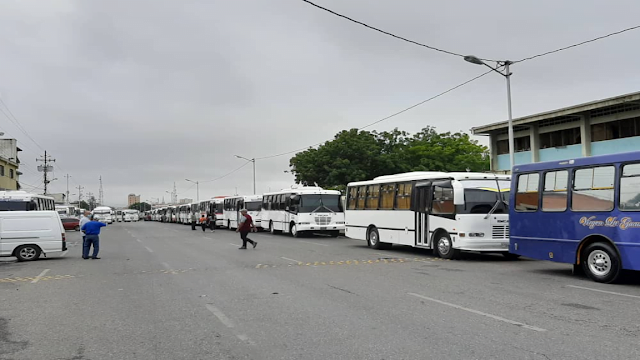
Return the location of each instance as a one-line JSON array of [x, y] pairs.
[[14, 205]]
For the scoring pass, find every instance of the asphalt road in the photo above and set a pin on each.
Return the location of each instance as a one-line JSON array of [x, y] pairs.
[[162, 291]]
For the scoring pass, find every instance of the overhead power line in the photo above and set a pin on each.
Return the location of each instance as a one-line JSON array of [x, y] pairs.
[[17, 124], [386, 32], [578, 44], [386, 117], [227, 174]]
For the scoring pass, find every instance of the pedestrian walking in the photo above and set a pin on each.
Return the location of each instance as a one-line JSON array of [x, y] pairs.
[[194, 219], [92, 237], [246, 226], [203, 222]]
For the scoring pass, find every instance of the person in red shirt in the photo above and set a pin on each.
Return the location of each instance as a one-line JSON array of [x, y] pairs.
[[245, 226]]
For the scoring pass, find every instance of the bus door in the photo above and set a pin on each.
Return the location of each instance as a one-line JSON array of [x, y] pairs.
[[420, 205]]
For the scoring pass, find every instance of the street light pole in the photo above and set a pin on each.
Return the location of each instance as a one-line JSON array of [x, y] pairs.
[[197, 189], [254, 170], [507, 74]]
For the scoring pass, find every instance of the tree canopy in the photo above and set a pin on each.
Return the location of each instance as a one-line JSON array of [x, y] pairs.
[[143, 206], [355, 155]]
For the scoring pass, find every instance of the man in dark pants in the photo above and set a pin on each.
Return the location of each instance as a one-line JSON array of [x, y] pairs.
[[212, 222], [245, 226], [203, 222], [194, 219], [92, 231]]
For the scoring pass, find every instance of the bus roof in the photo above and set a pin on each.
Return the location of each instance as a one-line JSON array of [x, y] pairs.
[[426, 175], [305, 190], [577, 162], [246, 198], [20, 195]]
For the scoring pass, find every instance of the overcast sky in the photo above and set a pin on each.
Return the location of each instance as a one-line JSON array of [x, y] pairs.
[[146, 93]]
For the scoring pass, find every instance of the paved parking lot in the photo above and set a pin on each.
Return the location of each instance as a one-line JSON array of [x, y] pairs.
[[162, 291]]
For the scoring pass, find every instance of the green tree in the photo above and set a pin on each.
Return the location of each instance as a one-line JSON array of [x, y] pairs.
[[84, 205], [143, 206], [355, 155]]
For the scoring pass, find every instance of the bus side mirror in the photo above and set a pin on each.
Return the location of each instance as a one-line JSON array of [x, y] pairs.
[[458, 193]]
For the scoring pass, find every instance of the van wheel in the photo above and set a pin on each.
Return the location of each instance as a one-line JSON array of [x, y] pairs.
[[27, 253], [601, 263], [444, 246]]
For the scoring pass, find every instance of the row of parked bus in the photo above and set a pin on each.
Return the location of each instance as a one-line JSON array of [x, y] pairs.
[[296, 211]]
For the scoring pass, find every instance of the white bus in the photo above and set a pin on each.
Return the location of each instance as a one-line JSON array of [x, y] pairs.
[[233, 205], [446, 212], [119, 216], [103, 214], [24, 201], [217, 207], [66, 210], [171, 214], [184, 212], [130, 215], [303, 210]]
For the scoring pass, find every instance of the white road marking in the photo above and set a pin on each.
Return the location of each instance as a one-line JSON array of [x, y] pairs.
[[148, 249], [40, 276], [604, 291], [228, 323], [282, 257], [495, 317], [314, 243], [166, 266], [233, 244], [138, 240]]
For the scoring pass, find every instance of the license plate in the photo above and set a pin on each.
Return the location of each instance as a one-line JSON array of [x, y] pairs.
[[323, 228]]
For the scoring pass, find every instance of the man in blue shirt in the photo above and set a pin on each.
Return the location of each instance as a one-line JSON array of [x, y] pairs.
[[92, 232]]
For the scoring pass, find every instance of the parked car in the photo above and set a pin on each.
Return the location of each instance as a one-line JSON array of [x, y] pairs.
[[28, 234], [70, 223]]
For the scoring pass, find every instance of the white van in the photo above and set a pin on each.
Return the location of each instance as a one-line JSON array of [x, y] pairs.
[[28, 234]]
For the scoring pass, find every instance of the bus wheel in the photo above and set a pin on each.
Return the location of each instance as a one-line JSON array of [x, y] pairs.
[[27, 253], [334, 233], [373, 239], [444, 246], [601, 263], [293, 229]]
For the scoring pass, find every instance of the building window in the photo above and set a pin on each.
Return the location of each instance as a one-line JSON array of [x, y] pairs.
[[520, 144], [564, 137], [615, 129], [554, 196], [593, 189], [527, 193], [630, 188], [11, 173], [1, 170]]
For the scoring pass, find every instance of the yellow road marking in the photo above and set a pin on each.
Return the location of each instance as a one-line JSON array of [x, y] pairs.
[[354, 262]]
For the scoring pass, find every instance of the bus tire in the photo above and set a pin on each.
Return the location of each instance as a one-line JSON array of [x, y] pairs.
[[27, 253], [373, 238], [334, 233], [293, 230], [601, 263], [444, 246]]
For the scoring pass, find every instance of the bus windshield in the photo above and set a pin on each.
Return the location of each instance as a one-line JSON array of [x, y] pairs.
[[253, 205], [219, 208], [14, 206], [320, 203], [480, 196], [102, 212]]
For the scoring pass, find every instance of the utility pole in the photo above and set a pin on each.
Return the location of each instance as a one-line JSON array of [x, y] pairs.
[[100, 193], [79, 194], [45, 169], [67, 198]]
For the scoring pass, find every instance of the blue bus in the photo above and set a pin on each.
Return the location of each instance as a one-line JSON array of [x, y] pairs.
[[584, 212]]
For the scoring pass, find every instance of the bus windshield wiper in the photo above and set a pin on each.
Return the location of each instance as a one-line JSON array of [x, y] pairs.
[[493, 209]]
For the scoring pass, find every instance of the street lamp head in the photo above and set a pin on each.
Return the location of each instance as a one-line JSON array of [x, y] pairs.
[[474, 60]]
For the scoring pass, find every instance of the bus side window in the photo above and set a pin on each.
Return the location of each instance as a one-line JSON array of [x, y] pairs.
[[593, 189], [362, 195], [554, 194], [630, 188], [442, 201], [373, 197], [403, 197], [388, 194], [527, 192], [353, 195]]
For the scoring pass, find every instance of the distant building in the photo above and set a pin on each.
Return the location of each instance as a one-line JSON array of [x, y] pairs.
[[9, 164], [600, 127], [185, 201], [133, 199]]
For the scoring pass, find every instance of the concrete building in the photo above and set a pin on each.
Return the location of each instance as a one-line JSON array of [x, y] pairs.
[[9, 164], [596, 128], [133, 199], [185, 201]]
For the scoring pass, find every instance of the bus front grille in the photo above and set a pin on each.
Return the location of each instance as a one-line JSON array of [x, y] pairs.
[[323, 220], [500, 232]]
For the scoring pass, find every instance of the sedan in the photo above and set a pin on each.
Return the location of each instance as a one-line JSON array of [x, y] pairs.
[[71, 224]]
